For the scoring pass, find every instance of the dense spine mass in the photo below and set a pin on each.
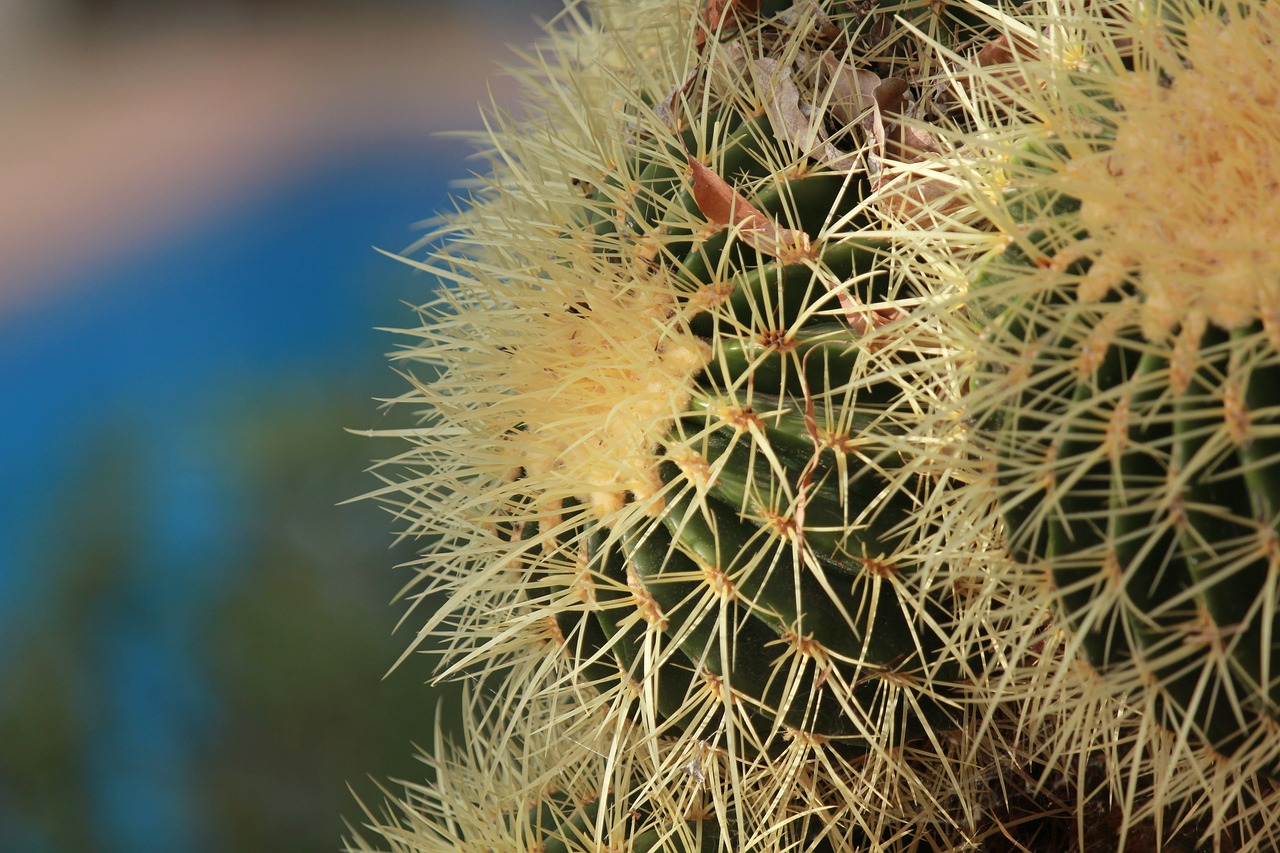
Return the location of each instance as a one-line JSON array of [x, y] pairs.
[[757, 572], [1135, 391], [716, 411]]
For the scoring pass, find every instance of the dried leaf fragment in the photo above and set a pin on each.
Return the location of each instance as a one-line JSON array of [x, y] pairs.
[[671, 109], [725, 206], [786, 114], [997, 52], [849, 90], [862, 318], [1004, 61], [898, 161], [901, 141], [717, 11]]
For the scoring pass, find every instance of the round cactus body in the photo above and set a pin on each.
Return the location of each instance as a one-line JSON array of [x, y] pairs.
[[1132, 383], [756, 569]]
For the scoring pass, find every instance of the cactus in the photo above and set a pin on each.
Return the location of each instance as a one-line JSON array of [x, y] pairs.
[[690, 465], [671, 464], [677, 391], [1119, 226]]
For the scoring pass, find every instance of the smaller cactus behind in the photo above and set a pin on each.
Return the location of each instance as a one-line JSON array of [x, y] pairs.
[[1122, 173], [1139, 383]]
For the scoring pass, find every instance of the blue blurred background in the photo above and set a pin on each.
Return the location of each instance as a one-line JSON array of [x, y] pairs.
[[193, 631]]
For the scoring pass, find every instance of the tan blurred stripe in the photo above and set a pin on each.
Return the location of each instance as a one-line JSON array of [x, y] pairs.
[[99, 151]]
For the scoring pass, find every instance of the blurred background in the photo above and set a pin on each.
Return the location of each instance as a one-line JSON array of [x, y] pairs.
[[193, 631]]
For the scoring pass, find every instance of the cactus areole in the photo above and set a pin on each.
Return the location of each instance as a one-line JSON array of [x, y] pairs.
[[1135, 381]]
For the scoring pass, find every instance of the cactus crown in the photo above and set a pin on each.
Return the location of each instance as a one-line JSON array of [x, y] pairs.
[[1184, 203]]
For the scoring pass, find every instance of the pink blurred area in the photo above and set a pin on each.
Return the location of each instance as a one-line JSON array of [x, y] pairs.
[[118, 124]]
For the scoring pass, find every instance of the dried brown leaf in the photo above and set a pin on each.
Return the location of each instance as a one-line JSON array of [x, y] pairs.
[[1002, 51], [729, 69], [718, 201], [817, 24], [997, 52], [847, 89], [724, 15], [725, 206], [891, 94], [894, 135], [787, 115], [896, 144], [861, 318], [671, 107]]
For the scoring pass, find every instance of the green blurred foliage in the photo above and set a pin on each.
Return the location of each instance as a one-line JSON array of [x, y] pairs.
[[298, 648], [50, 706], [291, 642]]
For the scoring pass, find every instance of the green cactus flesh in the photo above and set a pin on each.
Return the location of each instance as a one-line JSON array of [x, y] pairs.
[[1145, 475], [778, 571]]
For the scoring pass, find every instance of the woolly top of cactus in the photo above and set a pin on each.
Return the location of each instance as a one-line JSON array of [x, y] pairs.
[[557, 357], [1161, 119], [1185, 203], [593, 388]]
